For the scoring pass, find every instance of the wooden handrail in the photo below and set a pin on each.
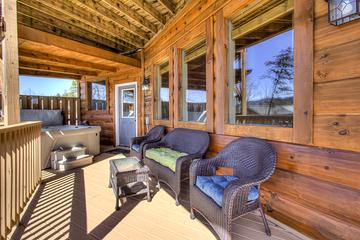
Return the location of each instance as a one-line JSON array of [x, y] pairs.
[[20, 171]]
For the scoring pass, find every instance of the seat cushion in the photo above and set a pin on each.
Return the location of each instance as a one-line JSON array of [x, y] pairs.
[[165, 156], [214, 187], [136, 147]]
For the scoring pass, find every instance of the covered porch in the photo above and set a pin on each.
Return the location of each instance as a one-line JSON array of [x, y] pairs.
[[283, 71]]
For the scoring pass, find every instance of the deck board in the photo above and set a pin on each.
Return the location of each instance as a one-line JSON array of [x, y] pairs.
[[79, 205]]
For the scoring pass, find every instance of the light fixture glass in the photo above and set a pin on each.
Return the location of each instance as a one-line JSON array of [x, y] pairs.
[[343, 11]]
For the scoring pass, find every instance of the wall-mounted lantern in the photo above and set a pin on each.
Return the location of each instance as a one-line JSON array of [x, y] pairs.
[[146, 84], [343, 11]]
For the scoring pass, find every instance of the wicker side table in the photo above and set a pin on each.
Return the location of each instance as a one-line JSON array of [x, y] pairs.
[[128, 177]]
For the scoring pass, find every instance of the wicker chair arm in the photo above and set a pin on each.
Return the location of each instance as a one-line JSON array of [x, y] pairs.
[[236, 196], [151, 141], [154, 145], [137, 140], [185, 161], [202, 167]]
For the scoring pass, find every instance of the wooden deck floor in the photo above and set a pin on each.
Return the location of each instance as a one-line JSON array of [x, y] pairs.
[[78, 205]]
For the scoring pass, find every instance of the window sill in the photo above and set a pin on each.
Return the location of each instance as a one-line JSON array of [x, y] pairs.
[[192, 125], [166, 123], [265, 132]]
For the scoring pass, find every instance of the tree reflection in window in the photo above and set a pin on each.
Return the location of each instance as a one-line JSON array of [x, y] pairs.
[[261, 78]]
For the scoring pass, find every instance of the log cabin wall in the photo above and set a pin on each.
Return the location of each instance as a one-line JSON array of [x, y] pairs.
[[106, 119], [315, 188]]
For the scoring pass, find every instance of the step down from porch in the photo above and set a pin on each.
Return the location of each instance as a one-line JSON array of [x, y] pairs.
[[66, 159]]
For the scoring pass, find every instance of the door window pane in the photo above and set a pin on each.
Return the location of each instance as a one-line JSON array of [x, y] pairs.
[[261, 75], [193, 85], [128, 103], [97, 95], [162, 99]]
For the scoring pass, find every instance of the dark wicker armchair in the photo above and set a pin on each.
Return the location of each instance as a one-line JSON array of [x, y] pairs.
[[192, 142], [253, 162], [137, 143]]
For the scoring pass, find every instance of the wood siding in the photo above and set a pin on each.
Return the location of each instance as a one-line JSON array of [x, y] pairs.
[[315, 188], [106, 119]]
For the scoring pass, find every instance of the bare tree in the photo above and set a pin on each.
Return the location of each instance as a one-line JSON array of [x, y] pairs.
[[281, 72]]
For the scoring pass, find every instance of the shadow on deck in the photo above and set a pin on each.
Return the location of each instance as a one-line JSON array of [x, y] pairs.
[[78, 205]]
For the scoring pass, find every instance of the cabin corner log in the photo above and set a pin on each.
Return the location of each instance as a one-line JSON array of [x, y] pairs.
[[10, 64]]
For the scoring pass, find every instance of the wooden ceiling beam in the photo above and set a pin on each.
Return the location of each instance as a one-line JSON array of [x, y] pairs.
[[79, 36], [128, 12], [68, 8], [39, 11], [56, 69], [170, 7], [103, 12], [37, 36], [148, 8], [279, 11], [48, 74], [63, 60]]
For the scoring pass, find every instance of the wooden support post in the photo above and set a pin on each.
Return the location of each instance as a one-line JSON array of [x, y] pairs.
[[10, 76]]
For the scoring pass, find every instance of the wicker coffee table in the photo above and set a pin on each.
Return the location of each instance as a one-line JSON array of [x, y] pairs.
[[128, 177]]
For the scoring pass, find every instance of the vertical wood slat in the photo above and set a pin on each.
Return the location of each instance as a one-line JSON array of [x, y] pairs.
[[70, 106], [20, 170]]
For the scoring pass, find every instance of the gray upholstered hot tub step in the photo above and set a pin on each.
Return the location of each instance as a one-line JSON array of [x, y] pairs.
[[67, 153], [79, 161]]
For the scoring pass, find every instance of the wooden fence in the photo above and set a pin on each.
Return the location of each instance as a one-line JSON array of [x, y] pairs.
[[69, 105], [20, 171]]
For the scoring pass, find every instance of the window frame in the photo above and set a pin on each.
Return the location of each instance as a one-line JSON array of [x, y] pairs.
[[302, 130], [122, 102], [89, 97], [200, 33], [164, 56]]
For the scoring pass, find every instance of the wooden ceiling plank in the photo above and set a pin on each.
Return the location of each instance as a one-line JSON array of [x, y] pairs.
[[52, 68], [73, 34], [170, 7], [37, 36], [101, 11], [128, 12], [43, 13], [64, 60], [67, 8], [48, 74], [148, 8]]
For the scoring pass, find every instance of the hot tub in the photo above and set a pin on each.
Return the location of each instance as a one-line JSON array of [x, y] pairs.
[[68, 136]]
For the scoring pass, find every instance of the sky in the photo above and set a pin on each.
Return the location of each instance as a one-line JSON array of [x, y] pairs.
[[262, 52], [43, 86]]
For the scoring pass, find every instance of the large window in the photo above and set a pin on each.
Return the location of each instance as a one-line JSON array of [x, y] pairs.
[[162, 94], [193, 84], [261, 72], [97, 95]]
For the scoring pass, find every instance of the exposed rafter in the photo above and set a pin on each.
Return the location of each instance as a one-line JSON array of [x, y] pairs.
[[67, 8], [168, 5], [48, 74], [96, 8], [55, 69], [37, 36], [148, 8], [54, 19], [128, 12], [45, 57]]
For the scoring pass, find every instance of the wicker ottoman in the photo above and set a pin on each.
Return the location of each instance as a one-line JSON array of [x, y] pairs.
[[128, 177]]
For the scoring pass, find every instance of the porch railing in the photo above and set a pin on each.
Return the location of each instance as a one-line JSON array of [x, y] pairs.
[[69, 105], [20, 170]]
